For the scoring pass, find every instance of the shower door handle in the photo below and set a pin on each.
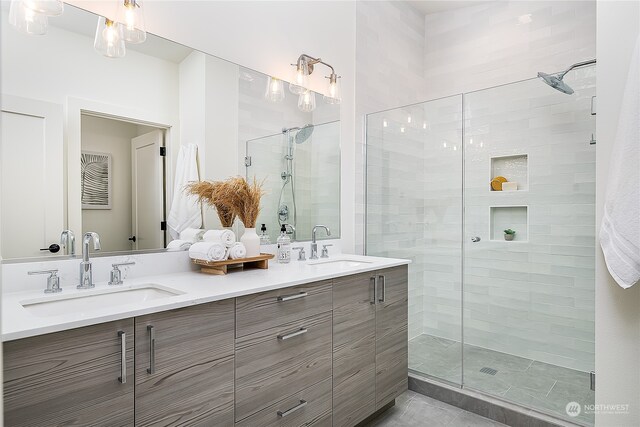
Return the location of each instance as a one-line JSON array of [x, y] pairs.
[[475, 239]]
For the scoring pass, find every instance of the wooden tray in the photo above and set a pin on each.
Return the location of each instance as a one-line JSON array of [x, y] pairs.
[[220, 267]]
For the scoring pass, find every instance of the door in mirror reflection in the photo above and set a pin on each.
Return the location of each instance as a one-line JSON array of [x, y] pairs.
[[123, 201]]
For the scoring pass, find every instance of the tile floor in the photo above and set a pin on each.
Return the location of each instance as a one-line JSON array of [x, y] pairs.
[[527, 382], [413, 409]]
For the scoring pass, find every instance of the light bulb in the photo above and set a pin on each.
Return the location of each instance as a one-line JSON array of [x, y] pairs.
[[307, 101], [334, 93], [26, 20], [275, 89], [109, 40], [300, 78], [130, 15]]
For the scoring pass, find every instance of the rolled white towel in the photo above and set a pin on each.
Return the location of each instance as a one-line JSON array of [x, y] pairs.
[[208, 251], [237, 251], [226, 237], [192, 234], [178, 245]]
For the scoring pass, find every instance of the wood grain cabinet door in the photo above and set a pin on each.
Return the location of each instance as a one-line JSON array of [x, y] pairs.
[[391, 334], [71, 378], [184, 366], [354, 349]]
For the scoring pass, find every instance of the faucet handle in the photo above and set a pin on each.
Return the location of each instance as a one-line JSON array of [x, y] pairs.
[[115, 278], [302, 256], [53, 281], [325, 251]]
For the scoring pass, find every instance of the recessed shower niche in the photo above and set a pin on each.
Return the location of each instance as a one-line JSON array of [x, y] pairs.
[[509, 217], [515, 168]]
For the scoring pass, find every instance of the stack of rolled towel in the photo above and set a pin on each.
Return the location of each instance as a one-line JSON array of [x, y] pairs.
[[213, 245]]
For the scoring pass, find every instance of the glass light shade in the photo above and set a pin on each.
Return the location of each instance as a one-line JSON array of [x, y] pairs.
[[275, 89], [300, 78], [26, 20], [109, 40], [334, 93], [131, 16], [48, 7], [307, 101]]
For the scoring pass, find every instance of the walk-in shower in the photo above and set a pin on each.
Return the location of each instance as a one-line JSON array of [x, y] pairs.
[[513, 319]]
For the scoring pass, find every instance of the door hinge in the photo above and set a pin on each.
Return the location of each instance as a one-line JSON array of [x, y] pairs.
[[247, 161], [592, 378], [163, 225], [163, 151]]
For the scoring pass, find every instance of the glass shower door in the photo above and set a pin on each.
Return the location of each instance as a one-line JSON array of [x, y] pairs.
[[414, 211], [529, 295]]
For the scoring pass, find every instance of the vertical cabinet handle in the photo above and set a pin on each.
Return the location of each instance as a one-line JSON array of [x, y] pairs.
[[123, 357], [152, 349], [383, 280], [374, 280]]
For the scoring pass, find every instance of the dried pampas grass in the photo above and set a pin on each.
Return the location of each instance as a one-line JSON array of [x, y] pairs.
[[213, 194], [232, 197]]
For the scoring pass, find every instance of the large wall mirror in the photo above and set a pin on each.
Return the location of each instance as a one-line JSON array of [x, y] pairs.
[[91, 143]]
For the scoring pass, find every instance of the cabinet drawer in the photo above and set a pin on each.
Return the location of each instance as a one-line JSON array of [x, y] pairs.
[[310, 407], [266, 310], [272, 364]]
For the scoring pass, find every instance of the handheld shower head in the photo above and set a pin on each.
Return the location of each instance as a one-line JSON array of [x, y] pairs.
[[556, 82]]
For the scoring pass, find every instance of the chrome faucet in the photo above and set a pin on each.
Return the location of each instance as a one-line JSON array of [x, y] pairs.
[[68, 242], [86, 276], [314, 245]]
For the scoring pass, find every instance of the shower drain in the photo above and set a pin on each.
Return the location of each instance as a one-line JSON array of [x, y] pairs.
[[489, 371]]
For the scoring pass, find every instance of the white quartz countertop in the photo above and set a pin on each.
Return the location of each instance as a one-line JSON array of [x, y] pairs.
[[192, 288]]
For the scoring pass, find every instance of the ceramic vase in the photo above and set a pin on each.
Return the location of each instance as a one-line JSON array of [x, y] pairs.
[[251, 242]]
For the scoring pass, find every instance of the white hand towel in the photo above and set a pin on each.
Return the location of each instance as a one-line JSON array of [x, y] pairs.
[[185, 210], [178, 245], [192, 234], [208, 251], [237, 251], [226, 237], [620, 229]]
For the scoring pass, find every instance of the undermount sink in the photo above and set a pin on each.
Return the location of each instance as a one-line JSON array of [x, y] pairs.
[[80, 303], [340, 262]]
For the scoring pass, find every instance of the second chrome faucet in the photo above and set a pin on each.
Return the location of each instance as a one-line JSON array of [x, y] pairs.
[[86, 274], [314, 244]]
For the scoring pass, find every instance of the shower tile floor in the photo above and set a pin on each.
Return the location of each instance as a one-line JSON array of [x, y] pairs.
[[527, 382]]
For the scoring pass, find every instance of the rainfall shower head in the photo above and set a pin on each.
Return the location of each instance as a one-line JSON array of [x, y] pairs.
[[304, 134], [555, 80]]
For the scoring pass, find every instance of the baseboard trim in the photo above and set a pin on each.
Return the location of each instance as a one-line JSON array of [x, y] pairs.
[[376, 414], [483, 405]]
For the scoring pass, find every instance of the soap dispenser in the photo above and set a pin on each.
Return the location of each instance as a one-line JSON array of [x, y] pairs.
[[264, 237], [284, 246]]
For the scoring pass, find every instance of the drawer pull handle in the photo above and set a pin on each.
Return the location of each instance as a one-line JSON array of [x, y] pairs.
[[300, 405], [293, 334], [123, 357], [292, 297], [152, 349]]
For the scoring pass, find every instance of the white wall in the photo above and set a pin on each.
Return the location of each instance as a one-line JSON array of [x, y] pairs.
[[268, 36], [617, 310]]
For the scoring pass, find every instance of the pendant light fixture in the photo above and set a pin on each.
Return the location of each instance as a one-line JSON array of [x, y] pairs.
[[47, 7], [307, 101], [131, 16], [275, 89], [300, 81], [109, 39], [26, 20]]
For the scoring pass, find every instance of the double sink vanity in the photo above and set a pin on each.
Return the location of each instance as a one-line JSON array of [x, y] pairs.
[[308, 343]]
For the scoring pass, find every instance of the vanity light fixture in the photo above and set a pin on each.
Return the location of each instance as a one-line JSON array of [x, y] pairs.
[[32, 21], [109, 39], [307, 101], [304, 67], [131, 16], [275, 89]]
